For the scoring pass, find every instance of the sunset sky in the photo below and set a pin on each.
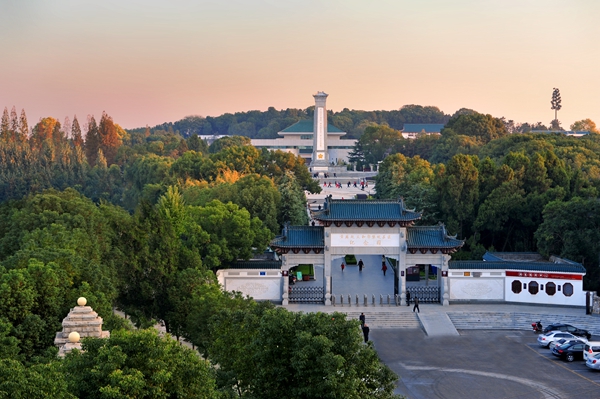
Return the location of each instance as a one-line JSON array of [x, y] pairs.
[[146, 62]]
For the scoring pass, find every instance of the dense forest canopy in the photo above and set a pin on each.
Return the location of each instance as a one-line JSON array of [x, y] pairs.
[[139, 220], [266, 124]]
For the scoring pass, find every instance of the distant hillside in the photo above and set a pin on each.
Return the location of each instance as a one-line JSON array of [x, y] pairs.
[[266, 124]]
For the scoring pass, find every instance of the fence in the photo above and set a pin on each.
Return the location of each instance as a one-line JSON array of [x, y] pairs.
[[365, 300], [425, 294], [306, 294], [316, 295]]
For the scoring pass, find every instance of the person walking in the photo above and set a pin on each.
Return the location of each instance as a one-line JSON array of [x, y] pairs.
[[343, 266], [407, 298], [360, 265], [365, 329], [362, 319], [416, 305], [384, 268]]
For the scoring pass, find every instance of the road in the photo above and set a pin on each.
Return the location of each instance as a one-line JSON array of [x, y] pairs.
[[481, 364]]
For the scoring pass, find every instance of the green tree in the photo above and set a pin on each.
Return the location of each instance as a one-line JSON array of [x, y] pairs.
[[293, 201], [500, 212], [138, 364], [66, 244], [14, 124], [194, 143], [43, 132], [451, 144], [259, 195], [265, 352], [410, 178], [378, 141], [9, 345], [571, 230], [23, 127], [457, 185], [555, 103], [194, 165], [233, 233], [276, 164], [166, 242], [585, 125], [76, 133], [92, 141], [5, 125], [242, 159], [36, 382], [108, 137], [226, 142], [483, 128]]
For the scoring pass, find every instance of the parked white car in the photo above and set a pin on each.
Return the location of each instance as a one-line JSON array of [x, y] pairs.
[[593, 362], [591, 348], [549, 337]]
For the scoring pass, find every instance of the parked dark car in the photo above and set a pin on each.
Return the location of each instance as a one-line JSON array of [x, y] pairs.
[[568, 328], [569, 351]]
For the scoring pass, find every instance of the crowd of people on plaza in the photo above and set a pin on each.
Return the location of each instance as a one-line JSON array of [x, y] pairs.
[[362, 183]]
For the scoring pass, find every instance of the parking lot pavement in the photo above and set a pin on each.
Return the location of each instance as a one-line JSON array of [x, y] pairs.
[[481, 364]]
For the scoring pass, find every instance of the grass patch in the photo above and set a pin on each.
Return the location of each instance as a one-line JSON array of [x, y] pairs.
[[306, 270]]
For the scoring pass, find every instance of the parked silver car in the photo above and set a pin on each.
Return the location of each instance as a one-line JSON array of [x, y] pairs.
[[549, 337]]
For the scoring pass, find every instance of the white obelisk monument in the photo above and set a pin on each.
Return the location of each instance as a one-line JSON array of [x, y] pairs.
[[320, 156]]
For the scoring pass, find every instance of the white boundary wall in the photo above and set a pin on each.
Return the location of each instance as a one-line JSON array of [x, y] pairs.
[[259, 284], [494, 285]]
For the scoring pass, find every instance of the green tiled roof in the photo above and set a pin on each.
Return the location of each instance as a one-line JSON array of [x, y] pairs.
[[365, 210], [513, 256], [431, 237], [419, 127], [507, 265], [300, 237], [307, 126], [253, 264]]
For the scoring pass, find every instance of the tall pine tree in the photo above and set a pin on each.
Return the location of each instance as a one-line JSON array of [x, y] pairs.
[[92, 141], [14, 124], [5, 125], [23, 127], [76, 133], [66, 127], [109, 139]]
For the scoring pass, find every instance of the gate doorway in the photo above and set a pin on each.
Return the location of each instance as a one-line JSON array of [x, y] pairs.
[[422, 281], [305, 284], [370, 281]]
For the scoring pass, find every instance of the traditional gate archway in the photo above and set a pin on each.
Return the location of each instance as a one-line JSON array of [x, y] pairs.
[[364, 227]]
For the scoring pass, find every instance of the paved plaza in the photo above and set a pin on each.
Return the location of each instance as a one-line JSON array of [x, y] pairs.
[[369, 281]]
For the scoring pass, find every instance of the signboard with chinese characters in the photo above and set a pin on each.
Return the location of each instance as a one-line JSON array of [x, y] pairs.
[[561, 276], [365, 240]]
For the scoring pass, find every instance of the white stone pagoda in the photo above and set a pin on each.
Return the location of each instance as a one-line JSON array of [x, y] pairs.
[[81, 322]]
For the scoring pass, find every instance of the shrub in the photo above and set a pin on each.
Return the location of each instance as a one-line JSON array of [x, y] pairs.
[[350, 259]]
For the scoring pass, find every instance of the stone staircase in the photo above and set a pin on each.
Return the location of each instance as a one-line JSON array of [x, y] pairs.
[[382, 319], [518, 320]]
